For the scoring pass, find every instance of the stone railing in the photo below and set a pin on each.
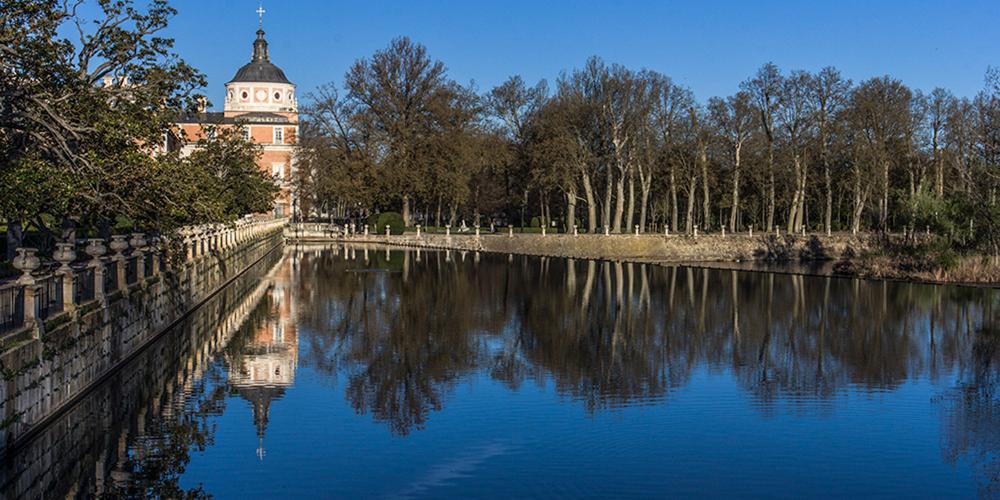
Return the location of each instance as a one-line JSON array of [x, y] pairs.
[[64, 328], [44, 292]]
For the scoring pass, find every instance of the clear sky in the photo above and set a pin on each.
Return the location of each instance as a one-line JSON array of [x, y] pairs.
[[709, 46]]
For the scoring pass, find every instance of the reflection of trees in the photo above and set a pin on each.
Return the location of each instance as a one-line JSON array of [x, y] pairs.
[[971, 411], [612, 333]]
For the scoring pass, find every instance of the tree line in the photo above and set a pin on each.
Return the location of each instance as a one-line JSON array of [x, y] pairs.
[[86, 105], [613, 146]]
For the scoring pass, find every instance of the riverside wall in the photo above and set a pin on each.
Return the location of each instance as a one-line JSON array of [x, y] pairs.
[[48, 366]]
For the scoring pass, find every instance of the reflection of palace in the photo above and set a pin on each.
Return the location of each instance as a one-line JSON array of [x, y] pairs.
[[265, 366]]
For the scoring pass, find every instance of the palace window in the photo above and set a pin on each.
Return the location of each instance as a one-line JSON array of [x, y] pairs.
[[279, 135], [246, 134], [278, 170]]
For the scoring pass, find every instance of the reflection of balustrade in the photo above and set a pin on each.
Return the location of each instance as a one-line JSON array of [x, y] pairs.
[[46, 294]]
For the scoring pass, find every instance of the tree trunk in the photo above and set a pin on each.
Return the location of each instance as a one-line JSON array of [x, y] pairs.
[[692, 188], [674, 219], [616, 223], [588, 192], [406, 210], [733, 223], [630, 212], [770, 186], [647, 184], [606, 212], [570, 209], [705, 205], [793, 209]]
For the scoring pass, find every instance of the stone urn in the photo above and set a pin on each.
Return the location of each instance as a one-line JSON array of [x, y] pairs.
[[118, 245], [95, 248], [138, 240], [26, 260], [65, 254]]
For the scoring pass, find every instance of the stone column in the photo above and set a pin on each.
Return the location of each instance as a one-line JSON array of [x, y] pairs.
[[607, 231], [119, 245], [366, 229], [418, 230], [543, 229], [138, 242], [696, 231], [65, 254], [477, 230], [751, 230], [510, 230], [27, 261], [447, 229], [95, 249], [388, 230], [576, 231], [637, 230], [666, 230]]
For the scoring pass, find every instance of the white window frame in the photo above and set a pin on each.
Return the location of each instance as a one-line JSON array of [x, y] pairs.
[[279, 135], [278, 170], [247, 135]]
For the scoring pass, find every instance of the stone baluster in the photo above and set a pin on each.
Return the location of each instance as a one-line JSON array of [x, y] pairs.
[[388, 230], [696, 231], [510, 230], [447, 229], [96, 249], [477, 229], [65, 254], [418, 230], [366, 229], [138, 243], [27, 262], [637, 230], [576, 230], [118, 245], [543, 229], [607, 231], [666, 230], [751, 230], [723, 230]]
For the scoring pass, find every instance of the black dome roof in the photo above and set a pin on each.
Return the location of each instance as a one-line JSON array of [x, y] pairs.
[[260, 69]]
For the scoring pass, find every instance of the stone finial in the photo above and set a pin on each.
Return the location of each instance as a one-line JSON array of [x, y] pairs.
[[138, 240], [26, 260], [65, 254], [118, 244], [95, 248]]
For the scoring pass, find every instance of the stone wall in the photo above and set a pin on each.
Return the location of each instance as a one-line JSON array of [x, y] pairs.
[[55, 363], [643, 247]]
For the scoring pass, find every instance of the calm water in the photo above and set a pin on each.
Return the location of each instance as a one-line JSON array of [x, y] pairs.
[[390, 374]]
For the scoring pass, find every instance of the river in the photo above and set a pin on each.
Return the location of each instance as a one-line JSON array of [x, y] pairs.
[[367, 372]]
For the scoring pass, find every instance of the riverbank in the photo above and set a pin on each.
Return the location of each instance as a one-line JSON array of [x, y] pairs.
[[840, 254]]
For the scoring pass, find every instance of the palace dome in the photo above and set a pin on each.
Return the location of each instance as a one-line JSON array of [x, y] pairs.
[[260, 68]]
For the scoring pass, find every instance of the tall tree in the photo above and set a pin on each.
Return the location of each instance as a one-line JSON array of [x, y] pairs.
[[395, 89], [765, 91]]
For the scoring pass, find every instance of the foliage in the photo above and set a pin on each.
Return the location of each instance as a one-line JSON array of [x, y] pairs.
[[394, 220]]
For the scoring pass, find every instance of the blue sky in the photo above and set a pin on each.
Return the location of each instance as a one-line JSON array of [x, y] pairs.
[[708, 46]]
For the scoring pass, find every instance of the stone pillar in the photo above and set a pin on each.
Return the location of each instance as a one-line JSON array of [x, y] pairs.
[[138, 242], [637, 230], [119, 245], [696, 231], [388, 230], [576, 230], [666, 230], [607, 230], [418, 230], [366, 229], [751, 230], [65, 254], [27, 261], [95, 249], [477, 230], [723, 230], [510, 230], [543, 229], [447, 229]]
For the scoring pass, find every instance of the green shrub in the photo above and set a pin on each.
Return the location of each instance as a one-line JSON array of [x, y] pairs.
[[537, 221], [377, 222]]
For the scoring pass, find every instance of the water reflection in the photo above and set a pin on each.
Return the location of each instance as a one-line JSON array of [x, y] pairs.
[[395, 334]]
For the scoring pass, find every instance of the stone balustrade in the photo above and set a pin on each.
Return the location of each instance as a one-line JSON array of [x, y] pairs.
[[62, 328], [39, 295]]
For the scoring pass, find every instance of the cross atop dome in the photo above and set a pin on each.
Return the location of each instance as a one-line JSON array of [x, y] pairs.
[[260, 12]]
